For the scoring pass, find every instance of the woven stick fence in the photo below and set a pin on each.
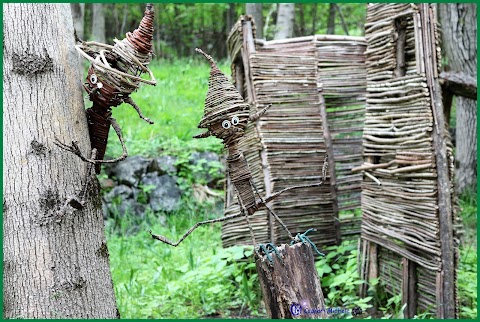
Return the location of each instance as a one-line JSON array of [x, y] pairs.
[[310, 81], [407, 205]]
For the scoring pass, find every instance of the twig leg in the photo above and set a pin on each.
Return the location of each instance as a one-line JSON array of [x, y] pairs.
[[263, 203], [135, 106], [280, 222], [74, 148], [198, 224]]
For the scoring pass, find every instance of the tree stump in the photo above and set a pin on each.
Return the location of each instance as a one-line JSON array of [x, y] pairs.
[[291, 286]]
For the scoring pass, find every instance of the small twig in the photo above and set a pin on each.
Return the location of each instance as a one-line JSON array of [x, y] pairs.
[[130, 101], [259, 114], [198, 224], [373, 178], [74, 148]]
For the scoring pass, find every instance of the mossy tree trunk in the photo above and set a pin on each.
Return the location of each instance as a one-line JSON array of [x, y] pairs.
[[55, 266]]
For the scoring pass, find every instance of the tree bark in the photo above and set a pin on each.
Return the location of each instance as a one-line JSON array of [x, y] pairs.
[[331, 19], [55, 266], [291, 281], [459, 25], [78, 15], [255, 9], [98, 23], [285, 21]]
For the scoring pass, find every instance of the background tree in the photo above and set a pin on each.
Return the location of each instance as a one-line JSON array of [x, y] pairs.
[[331, 19], [459, 26], [285, 21], [55, 264], [78, 15], [180, 27], [255, 9], [98, 22]]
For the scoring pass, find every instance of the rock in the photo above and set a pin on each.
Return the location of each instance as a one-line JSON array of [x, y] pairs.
[[107, 183], [120, 200], [130, 170], [207, 161], [128, 207], [166, 194], [163, 165], [123, 192]]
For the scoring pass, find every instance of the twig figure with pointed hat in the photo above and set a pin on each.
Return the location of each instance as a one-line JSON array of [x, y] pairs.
[[113, 75], [226, 117]]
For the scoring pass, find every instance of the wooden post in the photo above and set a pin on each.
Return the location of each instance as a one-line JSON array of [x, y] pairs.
[[291, 281], [409, 288], [331, 163], [447, 286]]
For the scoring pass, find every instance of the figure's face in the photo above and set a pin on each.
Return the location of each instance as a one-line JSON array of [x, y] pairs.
[[230, 126]]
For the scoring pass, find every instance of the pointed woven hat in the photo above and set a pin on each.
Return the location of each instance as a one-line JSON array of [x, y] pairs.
[[222, 97]]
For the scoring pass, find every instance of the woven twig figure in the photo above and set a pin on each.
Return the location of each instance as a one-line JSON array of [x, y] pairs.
[[113, 75], [226, 117]]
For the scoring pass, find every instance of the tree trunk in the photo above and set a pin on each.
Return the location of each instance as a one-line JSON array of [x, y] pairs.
[[285, 21], [78, 15], [291, 286], [301, 13], [55, 266], [98, 23], [459, 25], [255, 9], [314, 19], [124, 20], [230, 18], [331, 19]]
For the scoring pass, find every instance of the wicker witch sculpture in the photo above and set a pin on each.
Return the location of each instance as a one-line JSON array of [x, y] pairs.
[[226, 117], [113, 75]]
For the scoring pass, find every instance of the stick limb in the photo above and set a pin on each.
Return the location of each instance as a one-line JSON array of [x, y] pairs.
[[74, 148], [130, 101], [259, 114], [198, 224]]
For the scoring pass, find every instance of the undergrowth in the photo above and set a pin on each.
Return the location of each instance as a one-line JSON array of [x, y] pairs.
[[196, 279]]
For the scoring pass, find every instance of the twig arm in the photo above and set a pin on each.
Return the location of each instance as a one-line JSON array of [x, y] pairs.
[[198, 224]]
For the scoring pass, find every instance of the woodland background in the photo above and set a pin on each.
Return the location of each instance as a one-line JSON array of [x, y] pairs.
[[199, 278]]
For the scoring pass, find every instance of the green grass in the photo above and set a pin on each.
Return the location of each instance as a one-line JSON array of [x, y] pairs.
[[175, 104], [196, 279]]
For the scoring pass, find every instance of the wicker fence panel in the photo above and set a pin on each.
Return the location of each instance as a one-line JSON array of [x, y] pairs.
[[310, 81], [293, 136], [401, 190], [342, 82]]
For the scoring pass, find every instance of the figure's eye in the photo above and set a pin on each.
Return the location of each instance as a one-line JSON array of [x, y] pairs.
[[93, 78], [226, 124], [235, 120]]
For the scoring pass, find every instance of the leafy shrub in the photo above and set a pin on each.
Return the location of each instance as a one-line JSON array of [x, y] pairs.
[[339, 278], [467, 283]]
